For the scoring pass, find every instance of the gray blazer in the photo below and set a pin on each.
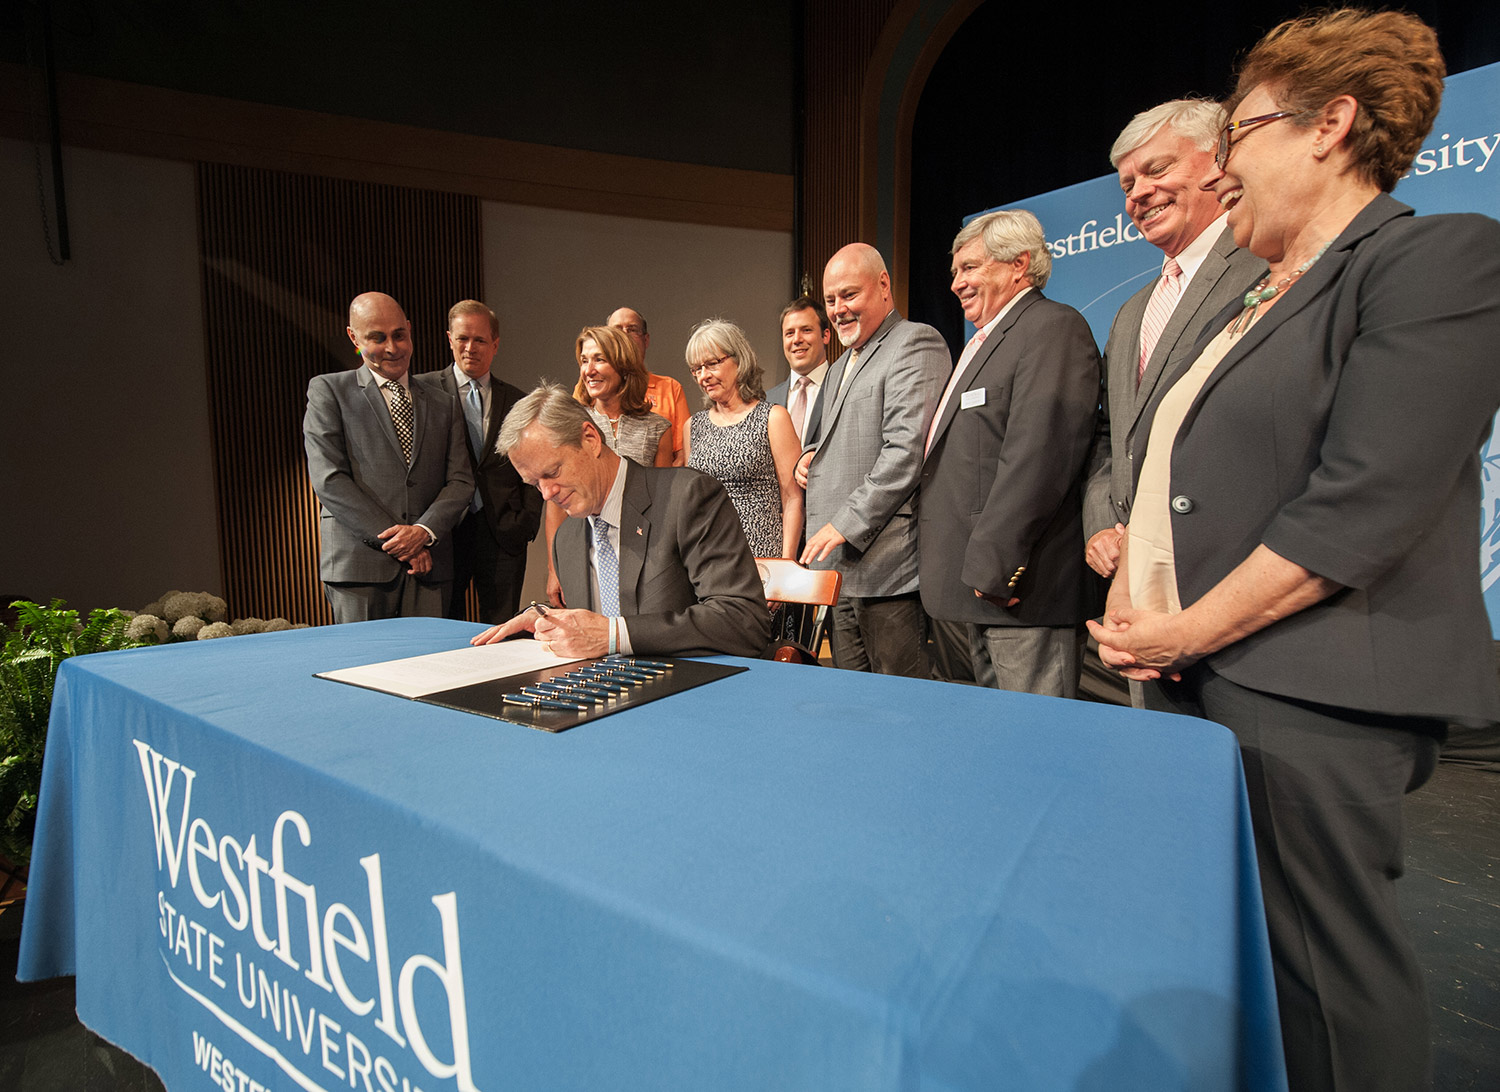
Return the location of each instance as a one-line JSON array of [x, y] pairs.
[[512, 509], [1002, 486], [688, 585], [1225, 274], [1343, 432], [863, 478], [363, 483]]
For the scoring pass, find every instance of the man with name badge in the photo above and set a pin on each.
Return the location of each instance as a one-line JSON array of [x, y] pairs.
[[1002, 479]]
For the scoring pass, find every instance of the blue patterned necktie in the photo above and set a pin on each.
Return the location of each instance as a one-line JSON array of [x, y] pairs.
[[607, 565], [474, 418]]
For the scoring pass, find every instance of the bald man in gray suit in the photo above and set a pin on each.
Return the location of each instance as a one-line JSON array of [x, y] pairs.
[[861, 472], [389, 465]]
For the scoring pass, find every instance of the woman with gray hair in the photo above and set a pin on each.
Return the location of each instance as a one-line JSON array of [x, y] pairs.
[[743, 440]]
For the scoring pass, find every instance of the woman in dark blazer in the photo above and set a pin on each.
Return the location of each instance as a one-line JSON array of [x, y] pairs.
[[1301, 564]]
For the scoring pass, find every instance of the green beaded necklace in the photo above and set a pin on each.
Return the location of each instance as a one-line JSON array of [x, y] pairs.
[[1265, 291]]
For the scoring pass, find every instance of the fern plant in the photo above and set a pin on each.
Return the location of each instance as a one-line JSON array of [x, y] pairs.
[[42, 638]]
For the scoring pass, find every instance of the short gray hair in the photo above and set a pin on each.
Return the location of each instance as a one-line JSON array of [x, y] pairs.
[[1195, 120], [1007, 235], [717, 337], [553, 407]]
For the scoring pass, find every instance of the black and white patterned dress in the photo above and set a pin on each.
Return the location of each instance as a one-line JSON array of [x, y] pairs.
[[739, 455]]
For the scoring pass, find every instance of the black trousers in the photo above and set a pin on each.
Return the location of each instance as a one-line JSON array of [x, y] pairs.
[[1325, 787], [497, 574]]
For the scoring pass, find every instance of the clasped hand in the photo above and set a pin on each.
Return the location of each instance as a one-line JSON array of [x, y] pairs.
[[1143, 644], [407, 542]]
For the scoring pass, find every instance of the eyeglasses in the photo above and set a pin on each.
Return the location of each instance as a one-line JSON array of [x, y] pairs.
[[695, 369], [1221, 156]]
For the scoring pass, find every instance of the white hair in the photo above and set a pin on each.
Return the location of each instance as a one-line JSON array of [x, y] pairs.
[[1196, 120], [1007, 235]]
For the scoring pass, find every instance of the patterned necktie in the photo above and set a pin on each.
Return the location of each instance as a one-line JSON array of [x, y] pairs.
[[607, 565], [400, 415], [953, 380], [1158, 311], [798, 408], [474, 418]]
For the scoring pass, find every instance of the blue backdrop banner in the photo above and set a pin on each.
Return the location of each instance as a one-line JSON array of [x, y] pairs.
[[1099, 258]]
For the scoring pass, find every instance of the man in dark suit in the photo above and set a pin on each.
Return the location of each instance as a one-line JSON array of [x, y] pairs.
[[999, 530], [658, 554], [489, 543], [861, 470], [805, 337], [388, 465], [1162, 156]]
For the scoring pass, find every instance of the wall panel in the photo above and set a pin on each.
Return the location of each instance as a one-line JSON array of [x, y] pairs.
[[282, 256]]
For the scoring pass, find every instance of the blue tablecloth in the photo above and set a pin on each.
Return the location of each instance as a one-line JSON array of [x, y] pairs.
[[795, 878]]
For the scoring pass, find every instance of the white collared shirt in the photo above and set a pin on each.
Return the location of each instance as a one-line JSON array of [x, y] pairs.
[[965, 358], [464, 380], [381, 381], [1192, 256], [814, 382]]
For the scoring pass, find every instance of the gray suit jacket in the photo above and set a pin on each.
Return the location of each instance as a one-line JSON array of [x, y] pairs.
[[1225, 274], [1002, 486], [688, 585], [363, 483], [1343, 432], [780, 395], [863, 478], [512, 509]]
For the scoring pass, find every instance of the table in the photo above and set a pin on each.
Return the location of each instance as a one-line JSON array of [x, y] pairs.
[[795, 878]]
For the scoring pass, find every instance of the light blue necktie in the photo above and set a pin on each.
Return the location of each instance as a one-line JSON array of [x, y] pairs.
[[474, 418], [607, 565]]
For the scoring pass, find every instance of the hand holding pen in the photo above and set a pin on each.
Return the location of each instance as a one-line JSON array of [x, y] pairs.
[[562, 632]]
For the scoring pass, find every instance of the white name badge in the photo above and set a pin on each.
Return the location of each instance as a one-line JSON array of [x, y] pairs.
[[970, 399]]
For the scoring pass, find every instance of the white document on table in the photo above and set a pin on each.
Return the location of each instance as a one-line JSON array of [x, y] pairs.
[[418, 676]]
